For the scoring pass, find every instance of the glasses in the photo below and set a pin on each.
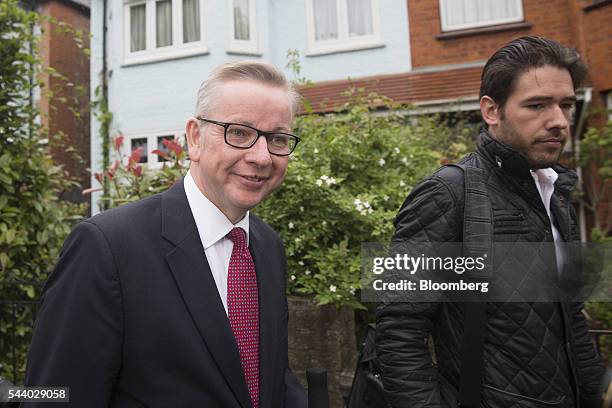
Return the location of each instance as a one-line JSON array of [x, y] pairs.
[[244, 137]]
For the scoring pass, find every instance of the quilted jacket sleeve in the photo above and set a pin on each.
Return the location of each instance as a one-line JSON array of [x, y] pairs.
[[590, 369], [429, 214]]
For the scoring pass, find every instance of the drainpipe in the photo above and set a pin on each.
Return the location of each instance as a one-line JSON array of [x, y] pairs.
[[588, 94], [104, 129]]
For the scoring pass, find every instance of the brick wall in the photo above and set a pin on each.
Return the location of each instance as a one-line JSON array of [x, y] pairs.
[[549, 18], [597, 50], [67, 111]]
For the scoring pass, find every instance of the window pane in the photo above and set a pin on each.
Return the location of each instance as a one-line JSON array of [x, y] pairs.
[[359, 17], [136, 143], [241, 20], [137, 28], [459, 13], [163, 11], [325, 19], [191, 20], [162, 147]]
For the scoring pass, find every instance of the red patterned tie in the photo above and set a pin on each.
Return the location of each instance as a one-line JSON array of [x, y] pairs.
[[243, 310]]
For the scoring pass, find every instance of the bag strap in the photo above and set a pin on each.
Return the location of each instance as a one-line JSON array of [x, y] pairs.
[[477, 239]]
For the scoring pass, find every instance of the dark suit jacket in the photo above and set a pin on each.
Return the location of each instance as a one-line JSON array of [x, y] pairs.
[[131, 316]]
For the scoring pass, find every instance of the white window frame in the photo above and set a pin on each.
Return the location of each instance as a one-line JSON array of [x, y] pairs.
[[151, 53], [249, 47], [152, 159], [447, 27], [344, 42]]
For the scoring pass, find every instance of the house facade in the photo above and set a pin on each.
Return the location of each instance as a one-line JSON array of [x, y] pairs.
[[450, 40], [155, 53], [428, 53]]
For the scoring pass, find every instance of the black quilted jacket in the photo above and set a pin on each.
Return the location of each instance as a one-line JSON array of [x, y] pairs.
[[535, 354]]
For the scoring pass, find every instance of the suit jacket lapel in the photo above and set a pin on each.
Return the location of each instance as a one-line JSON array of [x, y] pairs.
[[268, 301], [194, 280]]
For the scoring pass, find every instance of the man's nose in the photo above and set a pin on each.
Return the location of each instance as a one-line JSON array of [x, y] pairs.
[[559, 118], [258, 153]]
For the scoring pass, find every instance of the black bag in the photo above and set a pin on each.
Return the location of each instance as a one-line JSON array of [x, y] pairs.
[[367, 388]]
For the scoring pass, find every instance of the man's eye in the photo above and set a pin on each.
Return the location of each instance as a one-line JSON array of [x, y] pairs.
[[536, 106], [567, 106], [279, 140], [237, 132]]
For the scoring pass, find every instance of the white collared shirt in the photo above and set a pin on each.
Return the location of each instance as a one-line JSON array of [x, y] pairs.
[[545, 182], [213, 226]]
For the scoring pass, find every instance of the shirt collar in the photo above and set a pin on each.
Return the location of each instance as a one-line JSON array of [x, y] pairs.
[[212, 224], [545, 176]]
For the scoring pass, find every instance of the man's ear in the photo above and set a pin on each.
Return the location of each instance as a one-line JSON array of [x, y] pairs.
[[193, 135], [490, 111]]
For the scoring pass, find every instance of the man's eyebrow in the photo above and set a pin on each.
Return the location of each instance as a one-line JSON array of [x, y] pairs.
[[543, 98], [276, 129]]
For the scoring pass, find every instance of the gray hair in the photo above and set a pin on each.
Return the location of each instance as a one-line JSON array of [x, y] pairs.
[[255, 71]]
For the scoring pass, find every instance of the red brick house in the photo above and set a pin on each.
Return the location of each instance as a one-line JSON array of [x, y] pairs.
[[451, 40], [67, 111]]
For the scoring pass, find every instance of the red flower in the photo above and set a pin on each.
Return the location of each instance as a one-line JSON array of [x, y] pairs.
[[135, 156], [118, 141], [160, 153], [99, 177], [174, 146], [111, 171], [137, 170]]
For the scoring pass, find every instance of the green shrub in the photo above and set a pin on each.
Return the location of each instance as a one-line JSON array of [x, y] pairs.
[[345, 183], [33, 221]]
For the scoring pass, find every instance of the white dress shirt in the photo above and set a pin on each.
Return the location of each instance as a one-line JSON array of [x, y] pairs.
[[545, 182], [213, 226]]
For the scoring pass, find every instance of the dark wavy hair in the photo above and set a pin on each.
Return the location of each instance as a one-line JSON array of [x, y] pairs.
[[501, 71]]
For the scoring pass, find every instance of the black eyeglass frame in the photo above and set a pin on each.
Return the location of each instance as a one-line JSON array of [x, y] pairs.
[[260, 133]]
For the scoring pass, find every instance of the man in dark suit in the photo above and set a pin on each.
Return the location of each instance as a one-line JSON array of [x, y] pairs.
[[178, 300]]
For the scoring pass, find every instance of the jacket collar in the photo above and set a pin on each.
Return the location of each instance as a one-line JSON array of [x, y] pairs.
[[512, 163]]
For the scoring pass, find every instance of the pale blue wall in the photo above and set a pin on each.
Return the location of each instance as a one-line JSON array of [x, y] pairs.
[[289, 30], [160, 96]]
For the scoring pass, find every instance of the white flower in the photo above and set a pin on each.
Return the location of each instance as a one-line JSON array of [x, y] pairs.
[[330, 181], [298, 240], [307, 272], [396, 150], [323, 223], [301, 263], [324, 177], [299, 178], [352, 290], [352, 166], [290, 225], [381, 162], [301, 209], [405, 160], [316, 151], [386, 197], [332, 288], [402, 184], [319, 182], [292, 277], [357, 201]]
